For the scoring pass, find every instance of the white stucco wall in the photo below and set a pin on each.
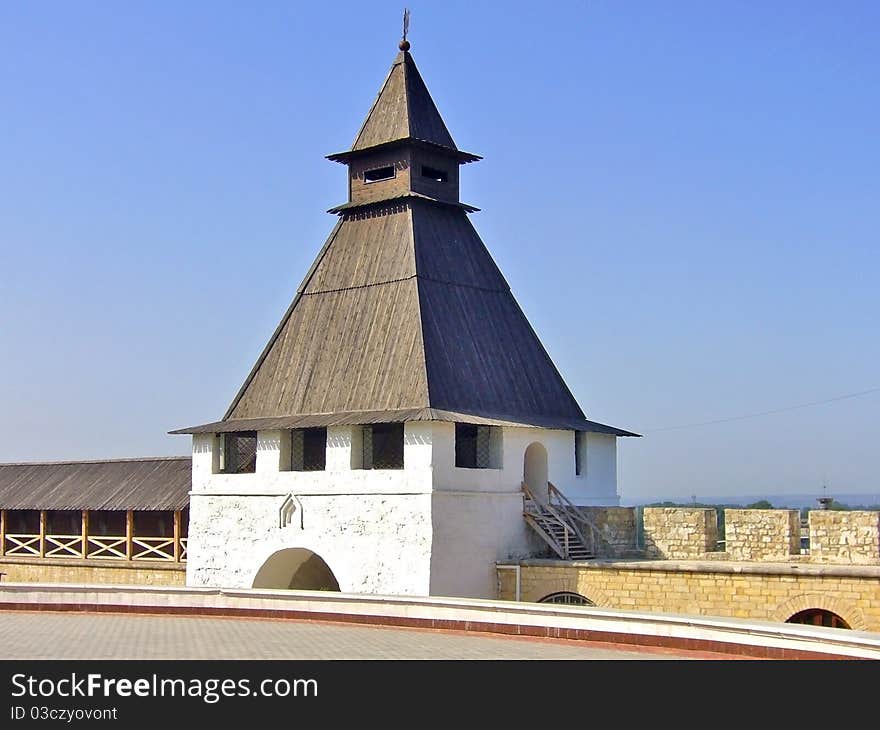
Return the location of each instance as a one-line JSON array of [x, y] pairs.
[[473, 530], [372, 543], [597, 484], [428, 528]]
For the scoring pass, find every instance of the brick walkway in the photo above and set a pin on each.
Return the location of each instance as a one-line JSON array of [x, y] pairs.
[[26, 635]]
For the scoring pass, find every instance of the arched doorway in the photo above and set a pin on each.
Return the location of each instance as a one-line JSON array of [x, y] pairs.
[[535, 469], [298, 569], [818, 617]]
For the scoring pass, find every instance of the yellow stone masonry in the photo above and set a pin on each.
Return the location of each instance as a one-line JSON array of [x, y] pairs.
[[765, 591], [35, 570]]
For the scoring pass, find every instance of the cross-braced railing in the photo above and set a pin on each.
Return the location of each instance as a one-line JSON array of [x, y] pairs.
[[86, 545]]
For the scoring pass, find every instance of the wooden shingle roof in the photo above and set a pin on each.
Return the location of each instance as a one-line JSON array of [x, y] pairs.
[[403, 110], [115, 484], [404, 315]]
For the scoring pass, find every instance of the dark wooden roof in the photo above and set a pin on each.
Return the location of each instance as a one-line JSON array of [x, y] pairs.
[[403, 110], [404, 312], [403, 315], [409, 414], [116, 484], [460, 155], [402, 196]]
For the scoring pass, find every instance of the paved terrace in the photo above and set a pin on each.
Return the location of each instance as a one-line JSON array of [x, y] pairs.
[[103, 621], [25, 635]]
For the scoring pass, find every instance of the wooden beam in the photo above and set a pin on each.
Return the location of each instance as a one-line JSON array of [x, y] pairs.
[[42, 533], [85, 534], [129, 534], [177, 536], [3, 532]]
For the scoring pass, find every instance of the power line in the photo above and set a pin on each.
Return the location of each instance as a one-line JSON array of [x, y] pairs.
[[767, 413]]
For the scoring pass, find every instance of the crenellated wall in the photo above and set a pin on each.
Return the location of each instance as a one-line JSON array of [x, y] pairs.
[[845, 536], [679, 532], [617, 526], [762, 534]]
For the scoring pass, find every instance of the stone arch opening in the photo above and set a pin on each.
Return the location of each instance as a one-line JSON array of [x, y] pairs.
[[567, 598], [535, 468], [818, 617], [846, 610], [296, 569]]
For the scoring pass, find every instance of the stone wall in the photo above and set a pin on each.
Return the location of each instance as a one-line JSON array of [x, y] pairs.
[[679, 532], [768, 591], [845, 536], [46, 570], [762, 534], [617, 526]]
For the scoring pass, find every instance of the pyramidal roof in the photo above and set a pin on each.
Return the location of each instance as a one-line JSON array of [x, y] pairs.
[[403, 315], [403, 110]]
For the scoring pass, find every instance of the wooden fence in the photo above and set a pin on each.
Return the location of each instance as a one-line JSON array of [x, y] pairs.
[[86, 546]]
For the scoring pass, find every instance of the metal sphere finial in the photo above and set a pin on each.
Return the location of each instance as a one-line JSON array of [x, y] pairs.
[[403, 45]]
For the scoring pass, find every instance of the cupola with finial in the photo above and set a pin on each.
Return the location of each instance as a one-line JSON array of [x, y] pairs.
[[403, 149]]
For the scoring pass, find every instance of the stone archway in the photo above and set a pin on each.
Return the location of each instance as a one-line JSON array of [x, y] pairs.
[[296, 569], [850, 613], [535, 473]]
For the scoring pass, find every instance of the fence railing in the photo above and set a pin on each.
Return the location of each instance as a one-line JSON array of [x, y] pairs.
[[85, 546]]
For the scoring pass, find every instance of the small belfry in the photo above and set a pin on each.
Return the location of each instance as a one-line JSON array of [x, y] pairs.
[[404, 391]]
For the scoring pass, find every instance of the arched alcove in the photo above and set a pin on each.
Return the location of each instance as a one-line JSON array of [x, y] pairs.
[[297, 569], [535, 469]]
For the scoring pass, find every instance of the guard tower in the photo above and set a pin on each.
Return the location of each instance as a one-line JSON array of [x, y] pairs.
[[382, 439]]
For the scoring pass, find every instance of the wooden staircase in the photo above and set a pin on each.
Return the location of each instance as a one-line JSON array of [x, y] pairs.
[[560, 524]]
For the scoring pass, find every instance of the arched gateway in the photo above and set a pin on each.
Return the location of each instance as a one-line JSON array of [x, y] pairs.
[[296, 568]]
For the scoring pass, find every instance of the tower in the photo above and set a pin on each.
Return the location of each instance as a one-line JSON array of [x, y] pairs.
[[388, 424]]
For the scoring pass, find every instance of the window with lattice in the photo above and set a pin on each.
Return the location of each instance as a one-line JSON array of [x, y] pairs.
[[383, 446], [308, 449], [240, 452], [477, 447]]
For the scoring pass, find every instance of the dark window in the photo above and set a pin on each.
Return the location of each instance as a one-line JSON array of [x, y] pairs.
[[473, 446], [23, 522], [240, 453], [465, 446], [568, 599], [104, 523], [383, 446], [380, 173], [580, 453], [63, 522], [818, 617], [308, 449], [154, 523], [432, 173]]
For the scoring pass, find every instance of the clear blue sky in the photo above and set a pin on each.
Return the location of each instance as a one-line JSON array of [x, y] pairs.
[[684, 197]]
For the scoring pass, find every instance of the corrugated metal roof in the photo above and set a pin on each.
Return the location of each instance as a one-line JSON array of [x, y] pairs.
[[160, 483]]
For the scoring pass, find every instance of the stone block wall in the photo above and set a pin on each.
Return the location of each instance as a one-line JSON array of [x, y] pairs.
[[762, 534], [617, 526], [679, 532], [845, 537], [763, 591], [64, 570]]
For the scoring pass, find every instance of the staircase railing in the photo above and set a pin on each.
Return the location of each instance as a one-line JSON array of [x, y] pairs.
[[575, 516], [569, 529]]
